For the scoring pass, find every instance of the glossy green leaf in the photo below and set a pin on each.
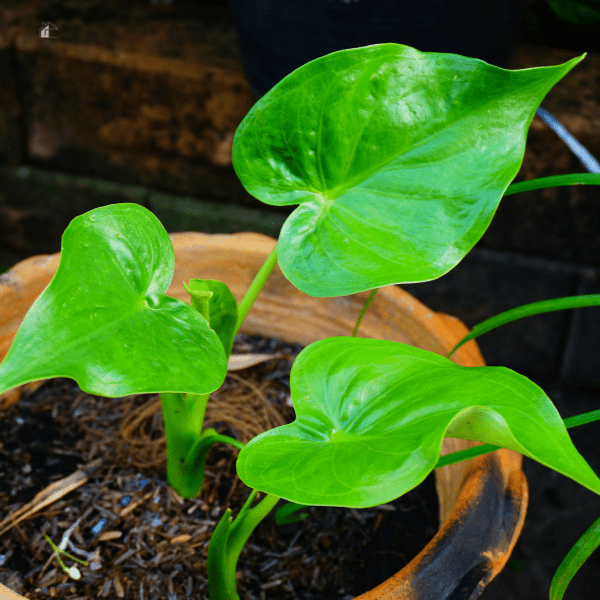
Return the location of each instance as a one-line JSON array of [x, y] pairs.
[[371, 416], [105, 321], [222, 307], [397, 159]]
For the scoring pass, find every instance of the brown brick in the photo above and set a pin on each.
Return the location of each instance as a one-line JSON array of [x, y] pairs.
[[129, 93], [11, 112]]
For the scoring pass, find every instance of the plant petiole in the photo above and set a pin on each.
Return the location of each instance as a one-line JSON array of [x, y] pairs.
[[183, 418], [363, 311], [187, 444], [255, 288], [527, 310], [553, 181], [195, 459]]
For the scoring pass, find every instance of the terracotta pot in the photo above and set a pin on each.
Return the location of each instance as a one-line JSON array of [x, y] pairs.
[[482, 501]]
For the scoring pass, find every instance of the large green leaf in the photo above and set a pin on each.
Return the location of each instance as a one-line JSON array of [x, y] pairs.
[[372, 414], [398, 160], [105, 321]]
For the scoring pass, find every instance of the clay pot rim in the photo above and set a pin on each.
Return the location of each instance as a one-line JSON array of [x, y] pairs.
[[499, 471]]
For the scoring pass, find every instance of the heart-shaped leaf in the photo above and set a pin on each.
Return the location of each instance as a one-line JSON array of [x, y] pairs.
[[397, 158], [222, 307], [372, 414], [105, 321]]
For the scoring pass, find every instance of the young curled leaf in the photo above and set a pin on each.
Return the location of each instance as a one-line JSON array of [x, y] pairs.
[[371, 416], [222, 307]]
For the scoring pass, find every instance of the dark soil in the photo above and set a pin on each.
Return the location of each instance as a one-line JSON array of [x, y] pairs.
[[141, 540]]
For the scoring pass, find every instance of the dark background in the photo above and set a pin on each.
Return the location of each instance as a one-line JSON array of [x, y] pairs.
[[138, 102]]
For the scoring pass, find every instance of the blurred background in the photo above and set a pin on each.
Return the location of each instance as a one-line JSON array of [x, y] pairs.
[[104, 101]]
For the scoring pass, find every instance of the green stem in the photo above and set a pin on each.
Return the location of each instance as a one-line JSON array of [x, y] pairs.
[[58, 552], [225, 439], [255, 288], [195, 459], [454, 457], [554, 181], [183, 416], [226, 545], [363, 311], [527, 310]]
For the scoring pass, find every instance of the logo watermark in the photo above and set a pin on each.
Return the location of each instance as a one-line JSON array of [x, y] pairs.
[[46, 28]]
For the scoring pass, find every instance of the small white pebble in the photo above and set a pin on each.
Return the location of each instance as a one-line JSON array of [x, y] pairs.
[[73, 573]]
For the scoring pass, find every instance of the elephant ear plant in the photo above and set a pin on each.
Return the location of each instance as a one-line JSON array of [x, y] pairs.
[[397, 161]]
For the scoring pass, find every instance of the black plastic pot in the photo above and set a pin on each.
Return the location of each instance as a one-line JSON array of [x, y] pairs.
[[277, 36]]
